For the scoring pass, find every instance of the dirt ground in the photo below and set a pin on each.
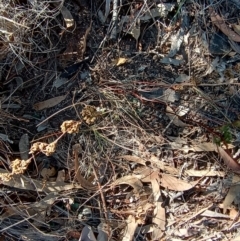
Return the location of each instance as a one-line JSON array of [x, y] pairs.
[[119, 120]]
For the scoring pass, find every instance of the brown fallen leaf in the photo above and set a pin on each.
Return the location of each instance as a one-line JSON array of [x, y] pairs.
[[220, 23], [131, 180], [176, 184], [232, 193], [228, 160], [205, 173], [159, 216], [154, 162], [165, 180], [236, 28], [49, 103], [24, 183], [159, 213], [130, 228]]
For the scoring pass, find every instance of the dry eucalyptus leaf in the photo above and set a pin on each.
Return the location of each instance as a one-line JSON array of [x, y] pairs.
[[49, 103], [213, 214], [103, 232], [182, 78], [70, 126], [236, 28], [228, 160], [68, 18], [87, 234], [159, 216], [132, 181], [154, 162], [25, 183], [24, 146], [135, 32], [232, 193], [176, 184], [130, 228], [205, 173], [5, 138], [219, 22]]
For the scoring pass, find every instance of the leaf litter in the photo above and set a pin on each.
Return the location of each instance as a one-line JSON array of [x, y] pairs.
[[140, 142]]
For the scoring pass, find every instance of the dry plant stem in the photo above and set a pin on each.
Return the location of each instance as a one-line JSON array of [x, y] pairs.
[[114, 20], [65, 108]]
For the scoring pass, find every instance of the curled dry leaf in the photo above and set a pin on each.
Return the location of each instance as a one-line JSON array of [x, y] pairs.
[[219, 22], [70, 126], [47, 149], [141, 212], [130, 228], [232, 194], [133, 181]]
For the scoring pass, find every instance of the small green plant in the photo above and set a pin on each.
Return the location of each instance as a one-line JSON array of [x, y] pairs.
[[225, 135]]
